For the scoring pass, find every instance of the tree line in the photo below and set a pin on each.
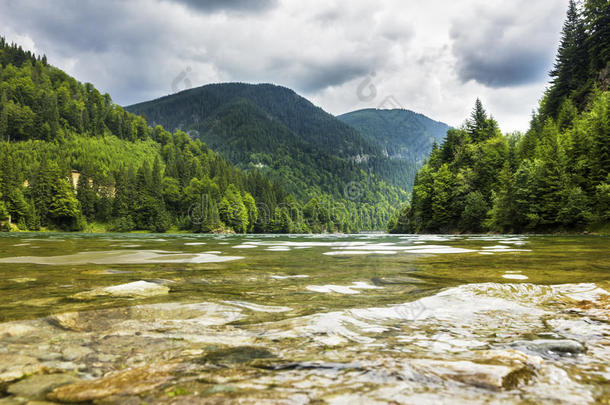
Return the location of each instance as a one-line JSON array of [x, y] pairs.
[[555, 177]]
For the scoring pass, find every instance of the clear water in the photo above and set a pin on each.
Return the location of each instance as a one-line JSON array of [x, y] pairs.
[[298, 319]]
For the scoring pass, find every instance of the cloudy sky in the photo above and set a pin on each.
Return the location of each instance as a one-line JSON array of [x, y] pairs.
[[433, 56]]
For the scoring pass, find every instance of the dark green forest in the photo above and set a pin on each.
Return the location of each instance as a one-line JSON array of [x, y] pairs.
[[73, 160], [405, 136], [553, 178], [312, 154]]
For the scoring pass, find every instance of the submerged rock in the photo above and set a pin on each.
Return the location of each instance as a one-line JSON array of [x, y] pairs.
[[37, 386], [306, 365], [488, 376], [17, 328], [72, 353], [124, 383], [12, 401], [15, 366], [236, 355], [547, 347], [136, 289], [89, 321]]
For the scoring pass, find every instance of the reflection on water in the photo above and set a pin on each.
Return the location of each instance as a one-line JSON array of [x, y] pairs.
[[295, 319]]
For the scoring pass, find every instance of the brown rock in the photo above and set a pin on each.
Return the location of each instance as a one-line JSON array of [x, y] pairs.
[[124, 383], [37, 386], [16, 366]]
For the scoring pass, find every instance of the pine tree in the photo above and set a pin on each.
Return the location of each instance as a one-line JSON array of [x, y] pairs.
[[597, 15], [442, 214], [570, 72], [478, 121], [3, 115], [64, 208], [41, 189], [86, 197], [502, 214]]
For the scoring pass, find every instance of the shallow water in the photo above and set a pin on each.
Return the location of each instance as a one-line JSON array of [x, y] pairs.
[[296, 319]]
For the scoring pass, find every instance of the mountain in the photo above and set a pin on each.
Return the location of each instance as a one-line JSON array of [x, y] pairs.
[[403, 134], [405, 137], [287, 113], [283, 135]]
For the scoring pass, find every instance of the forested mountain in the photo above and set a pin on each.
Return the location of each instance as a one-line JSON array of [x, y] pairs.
[[54, 130], [405, 136], [271, 128], [555, 177]]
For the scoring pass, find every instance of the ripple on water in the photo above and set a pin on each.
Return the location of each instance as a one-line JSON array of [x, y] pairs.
[[257, 307], [289, 277]]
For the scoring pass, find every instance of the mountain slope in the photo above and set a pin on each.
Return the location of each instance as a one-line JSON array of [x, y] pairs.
[[195, 107], [403, 134], [273, 129]]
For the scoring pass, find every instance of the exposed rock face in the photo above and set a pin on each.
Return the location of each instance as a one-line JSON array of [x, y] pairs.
[[125, 383]]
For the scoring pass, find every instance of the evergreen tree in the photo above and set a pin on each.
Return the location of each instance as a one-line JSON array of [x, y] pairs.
[[86, 197], [64, 209], [442, 215], [571, 66], [597, 15]]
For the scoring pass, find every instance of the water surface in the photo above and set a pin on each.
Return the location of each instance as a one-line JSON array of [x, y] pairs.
[[296, 319]]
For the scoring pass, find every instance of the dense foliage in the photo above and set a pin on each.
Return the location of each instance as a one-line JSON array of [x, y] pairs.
[[72, 159], [313, 155], [556, 177], [405, 136]]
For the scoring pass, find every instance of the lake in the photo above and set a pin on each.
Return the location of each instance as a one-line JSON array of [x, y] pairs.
[[283, 319]]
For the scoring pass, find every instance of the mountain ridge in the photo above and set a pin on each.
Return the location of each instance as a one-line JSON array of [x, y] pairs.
[[367, 121]]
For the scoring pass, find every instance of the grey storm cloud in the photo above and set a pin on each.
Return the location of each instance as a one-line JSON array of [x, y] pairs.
[[499, 66], [310, 77], [135, 49], [504, 49], [322, 77], [227, 5]]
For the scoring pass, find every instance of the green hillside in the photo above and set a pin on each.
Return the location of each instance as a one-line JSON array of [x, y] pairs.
[[54, 129], [405, 136]]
